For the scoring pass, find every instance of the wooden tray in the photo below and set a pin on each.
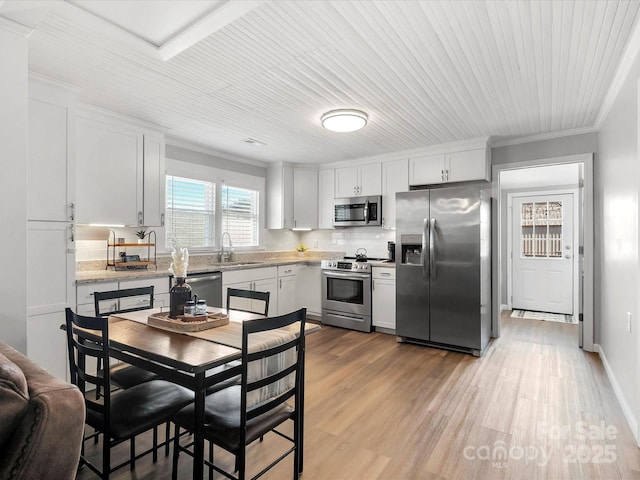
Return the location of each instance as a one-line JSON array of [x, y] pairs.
[[208, 321]]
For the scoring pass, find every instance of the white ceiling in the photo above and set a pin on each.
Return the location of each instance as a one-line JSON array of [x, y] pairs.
[[426, 72]]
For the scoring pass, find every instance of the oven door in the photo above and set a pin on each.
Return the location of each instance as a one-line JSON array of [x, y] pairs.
[[346, 292]]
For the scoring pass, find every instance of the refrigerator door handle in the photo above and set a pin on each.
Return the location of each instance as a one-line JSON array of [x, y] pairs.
[[366, 211], [423, 252], [432, 249]]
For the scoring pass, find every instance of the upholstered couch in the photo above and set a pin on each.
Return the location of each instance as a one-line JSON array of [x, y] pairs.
[[41, 421]]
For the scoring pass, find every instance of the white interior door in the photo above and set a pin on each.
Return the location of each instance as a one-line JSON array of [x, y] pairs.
[[543, 244]]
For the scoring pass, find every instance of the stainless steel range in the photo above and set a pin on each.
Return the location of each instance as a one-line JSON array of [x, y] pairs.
[[346, 294]]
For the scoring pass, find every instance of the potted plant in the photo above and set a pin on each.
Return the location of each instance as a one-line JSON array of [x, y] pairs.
[[141, 234], [301, 248]]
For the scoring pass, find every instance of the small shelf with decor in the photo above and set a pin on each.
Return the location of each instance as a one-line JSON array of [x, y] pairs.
[[120, 259]]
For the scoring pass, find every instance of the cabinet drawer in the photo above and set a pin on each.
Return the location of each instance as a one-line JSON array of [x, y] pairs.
[[248, 275], [383, 273], [287, 270], [160, 284], [84, 292]]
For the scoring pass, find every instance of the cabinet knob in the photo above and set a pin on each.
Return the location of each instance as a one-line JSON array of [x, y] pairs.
[[162, 219], [72, 214], [140, 218]]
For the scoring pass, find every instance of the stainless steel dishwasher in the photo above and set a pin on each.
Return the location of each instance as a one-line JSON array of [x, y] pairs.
[[207, 285]]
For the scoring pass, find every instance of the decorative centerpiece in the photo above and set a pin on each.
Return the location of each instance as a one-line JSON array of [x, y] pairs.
[[141, 234], [180, 293], [301, 248]]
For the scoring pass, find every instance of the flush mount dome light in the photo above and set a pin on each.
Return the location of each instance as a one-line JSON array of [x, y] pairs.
[[344, 120]]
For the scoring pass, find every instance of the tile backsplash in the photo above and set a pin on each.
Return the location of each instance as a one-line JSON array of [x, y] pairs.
[[92, 241]]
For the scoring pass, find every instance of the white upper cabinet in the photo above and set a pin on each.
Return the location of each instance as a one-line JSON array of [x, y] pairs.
[[305, 198], [111, 173], [50, 166], [358, 181], [458, 166], [292, 197], [395, 178], [325, 198], [154, 181], [279, 197]]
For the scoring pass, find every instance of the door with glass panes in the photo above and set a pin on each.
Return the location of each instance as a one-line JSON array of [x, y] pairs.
[[543, 253]]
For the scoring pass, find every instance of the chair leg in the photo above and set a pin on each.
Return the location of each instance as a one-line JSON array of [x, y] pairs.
[[242, 465], [176, 452], [211, 460], [106, 457], [132, 452], [167, 438], [155, 444]]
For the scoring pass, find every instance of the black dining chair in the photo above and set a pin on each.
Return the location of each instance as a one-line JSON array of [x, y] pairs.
[[122, 415], [123, 375], [231, 422], [253, 297]]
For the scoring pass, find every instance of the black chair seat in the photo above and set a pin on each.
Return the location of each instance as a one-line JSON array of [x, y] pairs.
[[140, 408], [124, 375], [222, 419]]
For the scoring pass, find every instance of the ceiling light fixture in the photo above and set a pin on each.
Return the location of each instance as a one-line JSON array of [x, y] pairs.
[[344, 120]]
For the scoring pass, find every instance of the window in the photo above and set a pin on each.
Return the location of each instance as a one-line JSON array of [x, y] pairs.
[[240, 215], [195, 213]]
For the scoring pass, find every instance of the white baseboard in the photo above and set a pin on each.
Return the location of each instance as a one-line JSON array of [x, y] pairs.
[[626, 408], [503, 307]]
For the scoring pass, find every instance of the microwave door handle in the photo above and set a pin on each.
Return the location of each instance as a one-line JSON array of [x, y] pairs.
[[423, 252], [432, 249], [366, 211]]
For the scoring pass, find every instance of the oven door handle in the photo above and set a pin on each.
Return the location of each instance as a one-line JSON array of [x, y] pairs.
[[347, 275]]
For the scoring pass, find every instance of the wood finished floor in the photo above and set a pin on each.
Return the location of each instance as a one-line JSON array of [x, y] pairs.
[[379, 410]]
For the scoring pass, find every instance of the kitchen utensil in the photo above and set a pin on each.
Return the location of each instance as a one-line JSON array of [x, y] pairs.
[[361, 255]]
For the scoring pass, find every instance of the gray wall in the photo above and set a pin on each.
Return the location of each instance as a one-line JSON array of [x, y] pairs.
[[555, 147], [616, 216], [179, 153]]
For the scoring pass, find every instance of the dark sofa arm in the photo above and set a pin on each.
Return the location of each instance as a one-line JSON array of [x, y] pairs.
[[47, 439]]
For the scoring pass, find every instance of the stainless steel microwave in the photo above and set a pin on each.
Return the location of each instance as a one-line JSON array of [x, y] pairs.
[[357, 211]]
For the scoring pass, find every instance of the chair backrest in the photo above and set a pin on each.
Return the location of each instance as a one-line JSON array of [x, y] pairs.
[[276, 380], [87, 344], [145, 301], [252, 300]]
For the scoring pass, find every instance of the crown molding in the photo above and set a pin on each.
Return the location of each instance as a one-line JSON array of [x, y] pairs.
[[195, 147], [15, 27]]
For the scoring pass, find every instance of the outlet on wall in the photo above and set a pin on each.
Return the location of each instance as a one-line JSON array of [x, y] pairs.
[[629, 322]]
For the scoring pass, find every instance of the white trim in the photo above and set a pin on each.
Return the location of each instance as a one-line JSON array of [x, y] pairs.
[[543, 136], [627, 60], [624, 405], [100, 114], [460, 146]]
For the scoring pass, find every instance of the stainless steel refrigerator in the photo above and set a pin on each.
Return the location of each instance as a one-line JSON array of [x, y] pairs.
[[443, 267]]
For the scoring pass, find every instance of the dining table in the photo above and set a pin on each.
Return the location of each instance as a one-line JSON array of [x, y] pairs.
[[187, 359]]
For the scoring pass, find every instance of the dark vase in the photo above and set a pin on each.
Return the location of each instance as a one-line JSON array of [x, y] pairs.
[[179, 294]]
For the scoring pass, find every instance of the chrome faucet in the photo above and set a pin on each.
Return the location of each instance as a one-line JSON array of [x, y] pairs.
[[222, 257]]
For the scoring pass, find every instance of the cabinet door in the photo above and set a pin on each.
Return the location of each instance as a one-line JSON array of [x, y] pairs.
[[279, 197], [468, 165], [109, 173], [266, 285], [47, 166], [325, 198], [309, 289], [426, 170], [154, 181], [346, 182], [305, 198], [384, 303], [287, 300], [50, 289], [370, 180], [395, 178]]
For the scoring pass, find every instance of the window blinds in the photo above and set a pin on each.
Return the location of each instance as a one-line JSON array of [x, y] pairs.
[[240, 215], [190, 212]]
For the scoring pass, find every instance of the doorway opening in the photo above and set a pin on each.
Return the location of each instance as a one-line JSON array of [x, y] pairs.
[[543, 242]]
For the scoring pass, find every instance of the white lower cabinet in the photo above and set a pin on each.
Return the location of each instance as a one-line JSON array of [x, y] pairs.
[[258, 279], [309, 289], [50, 289], [287, 298], [85, 303], [384, 298]]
